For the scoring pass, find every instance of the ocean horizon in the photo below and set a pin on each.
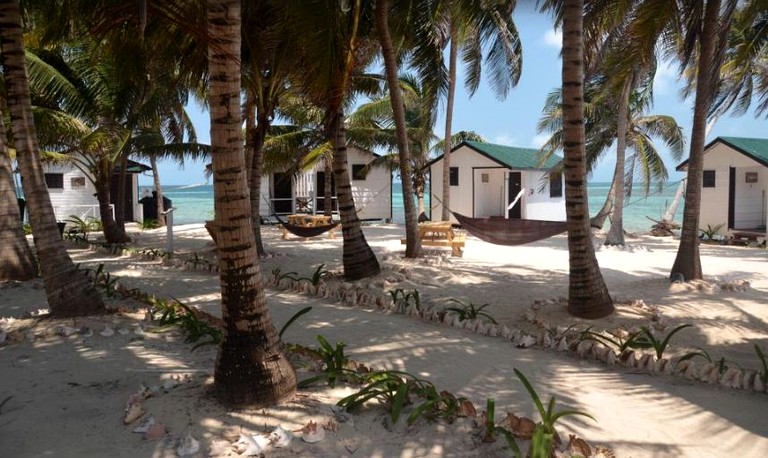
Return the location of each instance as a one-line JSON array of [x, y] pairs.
[[194, 203]]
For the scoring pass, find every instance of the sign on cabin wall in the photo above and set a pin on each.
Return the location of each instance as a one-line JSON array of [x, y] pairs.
[[751, 177]]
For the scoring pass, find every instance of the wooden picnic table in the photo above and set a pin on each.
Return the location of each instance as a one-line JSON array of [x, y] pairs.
[[441, 233]]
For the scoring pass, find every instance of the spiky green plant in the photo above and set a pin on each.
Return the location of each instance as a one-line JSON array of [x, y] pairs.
[[470, 311]]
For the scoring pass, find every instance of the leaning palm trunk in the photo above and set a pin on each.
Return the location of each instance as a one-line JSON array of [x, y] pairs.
[[17, 262], [113, 233], [158, 191], [616, 233], [412, 242], [68, 292], [452, 57], [122, 178], [259, 134], [688, 261], [251, 370], [587, 294], [358, 259], [598, 221]]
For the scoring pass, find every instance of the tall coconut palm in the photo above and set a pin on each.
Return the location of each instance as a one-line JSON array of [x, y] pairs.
[[17, 262], [371, 126], [695, 32], [413, 244], [474, 26], [339, 49], [251, 369], [601, 131], [745, 67], [68, 292], [588, 295]]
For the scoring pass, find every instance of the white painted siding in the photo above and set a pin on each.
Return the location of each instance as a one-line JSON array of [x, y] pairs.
[[750, 208], [472, 197], [373, 196], [72, 200], [489, 196], [538, 204]]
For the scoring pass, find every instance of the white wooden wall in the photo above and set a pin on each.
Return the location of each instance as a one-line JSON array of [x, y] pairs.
[[373, 196], [751, 207], [490, 198]]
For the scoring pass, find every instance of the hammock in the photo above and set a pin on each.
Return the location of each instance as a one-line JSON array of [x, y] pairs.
[[501, 231], [304, 231]]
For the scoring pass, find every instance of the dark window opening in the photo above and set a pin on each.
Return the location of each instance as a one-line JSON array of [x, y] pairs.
[[359, 172], [54, 180], [555, 184], [454, 176], [708, 179]]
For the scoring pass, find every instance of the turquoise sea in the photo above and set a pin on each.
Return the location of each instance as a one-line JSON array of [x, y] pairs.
[[194, 204]]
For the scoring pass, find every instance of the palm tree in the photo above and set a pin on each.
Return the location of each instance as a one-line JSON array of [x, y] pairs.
[[474, 26], [17, 262], [744, 74], [336, 51], [588, 296], [251, 369], [601, 130], [371, 127], [68, 292], [413, 244], [695, 32]]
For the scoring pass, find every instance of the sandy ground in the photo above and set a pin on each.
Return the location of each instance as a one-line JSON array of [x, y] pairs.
[[65, 395]]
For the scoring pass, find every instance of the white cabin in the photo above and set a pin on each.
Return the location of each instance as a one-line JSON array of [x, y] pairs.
[[734, 185], [487, 178], [73, 193], [286, 193]]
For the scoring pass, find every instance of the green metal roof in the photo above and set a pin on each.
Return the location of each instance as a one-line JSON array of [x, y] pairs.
[[754, 148], [757, 148], [512, 156]]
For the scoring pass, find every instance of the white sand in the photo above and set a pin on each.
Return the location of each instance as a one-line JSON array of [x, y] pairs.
[[68, 393]]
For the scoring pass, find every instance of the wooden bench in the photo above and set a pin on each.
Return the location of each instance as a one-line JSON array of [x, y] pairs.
[[441, 234]]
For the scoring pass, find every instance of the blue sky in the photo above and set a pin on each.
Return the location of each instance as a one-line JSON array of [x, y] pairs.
[[513, 121]]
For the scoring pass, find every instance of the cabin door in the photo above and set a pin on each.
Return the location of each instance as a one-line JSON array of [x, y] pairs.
[[515, 182], [282, 193]]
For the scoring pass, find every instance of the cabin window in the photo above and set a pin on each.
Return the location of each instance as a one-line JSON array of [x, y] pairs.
[[555, 184], [709, 179], [54, 180], [358, 172], [454, 176]]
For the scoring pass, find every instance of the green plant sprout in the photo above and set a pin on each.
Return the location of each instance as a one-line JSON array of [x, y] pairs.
[[470, 311]]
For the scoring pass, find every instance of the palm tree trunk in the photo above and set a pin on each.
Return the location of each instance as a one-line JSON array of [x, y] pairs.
[[113, 233], [688, 261], [598, 221], [17, 262], [587, 294], [158, 191], [251, 370], [121, 198], [413, 244], [452, 63], [616, 233], [68, 292], [328, 186], [358, 259], [257, 134]]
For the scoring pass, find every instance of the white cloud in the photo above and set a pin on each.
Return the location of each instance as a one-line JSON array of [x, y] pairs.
[[664, 82], [554, 38], [538, 140], [506, 139]]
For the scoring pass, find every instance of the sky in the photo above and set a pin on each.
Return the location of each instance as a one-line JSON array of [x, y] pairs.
[[513, 121]]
